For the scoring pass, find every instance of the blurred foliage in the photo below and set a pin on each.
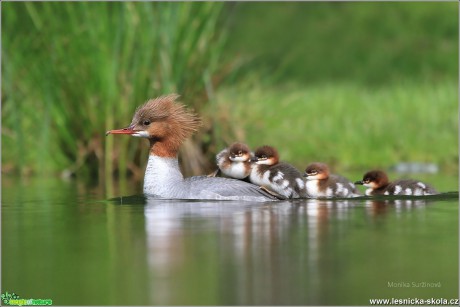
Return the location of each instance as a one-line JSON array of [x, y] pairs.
[[349, 126], [353, 84], [72, 70], [370, 43]]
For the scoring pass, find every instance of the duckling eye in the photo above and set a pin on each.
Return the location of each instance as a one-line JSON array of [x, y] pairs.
[[146, 122], [240, 153]]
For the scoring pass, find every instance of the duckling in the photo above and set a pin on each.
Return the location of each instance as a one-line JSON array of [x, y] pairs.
[[378, 184], [234, 161], [279, 177], [320, 183]]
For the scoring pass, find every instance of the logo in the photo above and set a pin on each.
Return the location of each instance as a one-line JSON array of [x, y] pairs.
[[13, 299]]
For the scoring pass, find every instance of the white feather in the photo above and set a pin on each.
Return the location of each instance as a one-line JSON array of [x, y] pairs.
[[422, 185], [312, 188], [236, 170]]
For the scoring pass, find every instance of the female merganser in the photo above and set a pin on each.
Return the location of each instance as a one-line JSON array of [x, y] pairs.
[[279, 177], [234, 161], [378, 184], [166, 124], [319, 183]]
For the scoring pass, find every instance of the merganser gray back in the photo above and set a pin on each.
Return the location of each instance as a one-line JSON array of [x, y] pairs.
[[164, 179], [166, 124]]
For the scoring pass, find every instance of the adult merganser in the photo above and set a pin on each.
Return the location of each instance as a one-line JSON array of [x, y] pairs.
[[279, 177], [319, 183], [378, 184], [234, 161], [166, 124]]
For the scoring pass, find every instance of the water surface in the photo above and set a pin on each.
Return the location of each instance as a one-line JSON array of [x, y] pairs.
[[63, 241]]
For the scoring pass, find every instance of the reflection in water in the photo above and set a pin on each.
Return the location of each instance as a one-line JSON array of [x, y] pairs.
[[133, 251], [381, 206], [252, 253], [253, 238]]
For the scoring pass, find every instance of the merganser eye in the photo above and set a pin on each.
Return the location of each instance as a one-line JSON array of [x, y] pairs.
[[240, 153], [146, 122]]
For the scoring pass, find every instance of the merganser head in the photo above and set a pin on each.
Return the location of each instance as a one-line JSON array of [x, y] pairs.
[[316, 171], [374, 179], [267, 155], [162, 120], [239, 152]]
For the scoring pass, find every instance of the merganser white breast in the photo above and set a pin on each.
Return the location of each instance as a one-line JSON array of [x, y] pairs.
[[378, 184], [320, 183], [166, 124], [234, 161], [279, 177]]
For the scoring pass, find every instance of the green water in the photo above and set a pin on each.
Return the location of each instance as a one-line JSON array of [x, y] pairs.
[[63, 241]]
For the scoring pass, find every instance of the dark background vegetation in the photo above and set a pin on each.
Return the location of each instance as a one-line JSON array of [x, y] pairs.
[[356, 85]]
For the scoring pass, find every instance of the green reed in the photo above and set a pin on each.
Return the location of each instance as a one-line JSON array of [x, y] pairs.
[[72, 70]]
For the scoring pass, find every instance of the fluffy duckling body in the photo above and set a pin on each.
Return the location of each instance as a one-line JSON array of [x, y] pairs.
[[279, 177], [320, 183], [234, 161], [378, 184]]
